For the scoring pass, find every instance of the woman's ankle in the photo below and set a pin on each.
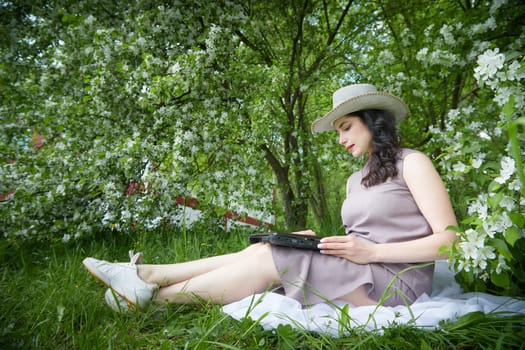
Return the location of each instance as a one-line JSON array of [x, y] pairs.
[[145, 273]]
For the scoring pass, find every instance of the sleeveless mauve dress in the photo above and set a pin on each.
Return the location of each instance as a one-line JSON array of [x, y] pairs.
[[383, 213]]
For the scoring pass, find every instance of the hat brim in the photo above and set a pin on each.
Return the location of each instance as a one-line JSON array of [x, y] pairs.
[[371, 100]]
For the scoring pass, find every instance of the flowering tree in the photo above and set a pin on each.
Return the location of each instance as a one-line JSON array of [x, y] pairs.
[[130, 103], [138, 104]]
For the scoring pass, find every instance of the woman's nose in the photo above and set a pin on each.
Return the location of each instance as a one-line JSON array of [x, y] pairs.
[[342, 139]]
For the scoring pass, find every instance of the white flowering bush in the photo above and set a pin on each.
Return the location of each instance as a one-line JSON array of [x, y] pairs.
[[483, 166], [462, 78]]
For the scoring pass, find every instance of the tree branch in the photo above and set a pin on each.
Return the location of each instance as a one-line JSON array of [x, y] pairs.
[[327, 19], [332, 35], [244, 39]]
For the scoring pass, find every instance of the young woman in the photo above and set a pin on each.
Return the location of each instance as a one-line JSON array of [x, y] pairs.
[[395, 216]]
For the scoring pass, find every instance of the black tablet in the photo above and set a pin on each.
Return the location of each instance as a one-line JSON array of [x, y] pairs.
[[287, 240]]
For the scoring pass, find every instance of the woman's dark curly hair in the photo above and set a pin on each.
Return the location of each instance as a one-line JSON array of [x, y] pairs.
[[386, 147]]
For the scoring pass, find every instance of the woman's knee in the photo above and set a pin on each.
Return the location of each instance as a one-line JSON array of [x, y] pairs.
[[256, 248], [260, 254]]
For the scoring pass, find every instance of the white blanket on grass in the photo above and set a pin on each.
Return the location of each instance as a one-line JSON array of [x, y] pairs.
[[447, 302]]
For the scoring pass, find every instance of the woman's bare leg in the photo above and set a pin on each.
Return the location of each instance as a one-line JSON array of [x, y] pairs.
[[252, 271], [168, 274]]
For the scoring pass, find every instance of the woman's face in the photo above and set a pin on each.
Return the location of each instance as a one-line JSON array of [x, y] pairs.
[[354, 135]]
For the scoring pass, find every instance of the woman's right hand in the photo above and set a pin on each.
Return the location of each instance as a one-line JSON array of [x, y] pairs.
[[306, 233]]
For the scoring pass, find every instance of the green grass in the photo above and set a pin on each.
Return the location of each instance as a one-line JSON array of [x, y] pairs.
[[51, 302]]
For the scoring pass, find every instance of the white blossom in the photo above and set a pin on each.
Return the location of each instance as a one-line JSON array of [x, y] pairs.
[[475, 237], [446, 32], [502, 264], [496, 4], [386, 56], [125, 214], [484, 135], [153, 224], [489, 63], [515, 185], [482, 255], [108, 218], [514, 71], [477, 162], [453, 114], [469, 249], [507, 203], [508, 168], [467, 110], [498, 225], [421, 55], [90, 20], [61, 189], [459, 167], [503, 95], [463, 265], [479, 207], [489, 24], [490, 229], [503, 222]]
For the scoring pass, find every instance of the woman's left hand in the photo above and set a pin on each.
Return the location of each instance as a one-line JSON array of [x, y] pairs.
[[349, 247], [305, 232]]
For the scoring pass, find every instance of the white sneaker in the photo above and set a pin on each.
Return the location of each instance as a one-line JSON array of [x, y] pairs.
[[135, 259], [123, 279], [115, 301]]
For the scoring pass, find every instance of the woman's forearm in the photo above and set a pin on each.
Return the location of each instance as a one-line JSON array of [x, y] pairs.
[[419, 250]]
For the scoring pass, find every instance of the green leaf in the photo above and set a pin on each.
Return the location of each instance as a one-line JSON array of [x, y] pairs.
[[454, 228], [512, 55], [517, 219], [345, 316], [509, 108], [495, 199], [287, 336], [502, 247], [511, 235], [494, 186], [520, 121], [467, 320], [424, 345], [500, 279], [444, 250]]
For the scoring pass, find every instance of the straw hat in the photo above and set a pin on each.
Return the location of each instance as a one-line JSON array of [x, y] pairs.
[[353, 98]]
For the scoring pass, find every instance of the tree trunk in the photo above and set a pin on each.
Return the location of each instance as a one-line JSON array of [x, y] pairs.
[[295, 212]]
